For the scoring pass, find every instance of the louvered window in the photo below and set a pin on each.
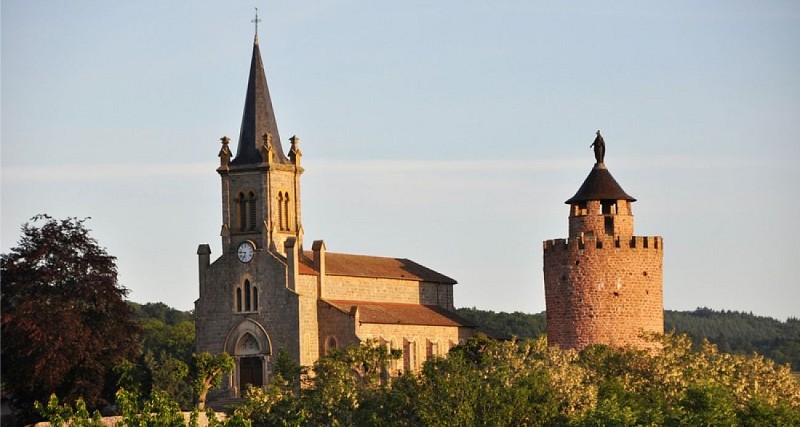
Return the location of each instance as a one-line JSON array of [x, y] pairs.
[[252, 202], [242, 212]]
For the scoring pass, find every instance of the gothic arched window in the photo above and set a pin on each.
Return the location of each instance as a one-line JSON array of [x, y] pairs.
[[330, 345], [246, 295], [252, 201], [280, 210], [255, 298], [286, 211], [238, 300], [242, 212]]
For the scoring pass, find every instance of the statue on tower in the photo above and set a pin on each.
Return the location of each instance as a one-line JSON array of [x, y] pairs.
[[599, 148]]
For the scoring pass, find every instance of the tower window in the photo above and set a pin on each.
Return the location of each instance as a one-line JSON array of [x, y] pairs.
[[280, 210], [247, 211], [255, 298], [286, 211], [238, 300], [609, 225], [246, 295], [283, 211], [252, 201], [609, 207], [242, 201]]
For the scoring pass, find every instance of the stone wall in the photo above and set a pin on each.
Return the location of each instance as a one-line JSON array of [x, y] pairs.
[[387, 290], [278, 307], [603, 289]]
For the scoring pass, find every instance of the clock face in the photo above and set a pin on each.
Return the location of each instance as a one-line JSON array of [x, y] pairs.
[[245, 252]]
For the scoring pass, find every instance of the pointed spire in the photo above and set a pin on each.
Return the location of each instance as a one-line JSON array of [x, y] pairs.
[[258, 118]]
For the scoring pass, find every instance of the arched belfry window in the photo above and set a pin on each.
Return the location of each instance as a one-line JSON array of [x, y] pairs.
[[242, 202], [286, 211], [255, 298], [238, 300], [252, 201], [283, 211], [280, 210]]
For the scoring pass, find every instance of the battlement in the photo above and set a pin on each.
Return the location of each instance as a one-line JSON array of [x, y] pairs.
[[605, 242]]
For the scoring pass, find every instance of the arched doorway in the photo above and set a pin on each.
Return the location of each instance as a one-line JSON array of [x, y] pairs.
[[251, 362], [251, 349]]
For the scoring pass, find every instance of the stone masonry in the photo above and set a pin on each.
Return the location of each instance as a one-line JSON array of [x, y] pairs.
[[603, 285]]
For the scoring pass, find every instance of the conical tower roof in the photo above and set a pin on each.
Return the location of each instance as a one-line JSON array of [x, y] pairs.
[[258, 118], [600, 185]]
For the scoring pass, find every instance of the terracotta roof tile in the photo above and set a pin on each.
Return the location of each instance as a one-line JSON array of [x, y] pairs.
[[401, 314], [372, 266]]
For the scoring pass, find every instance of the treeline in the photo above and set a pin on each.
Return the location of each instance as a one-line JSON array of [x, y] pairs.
[[732, 331], [506, 383]]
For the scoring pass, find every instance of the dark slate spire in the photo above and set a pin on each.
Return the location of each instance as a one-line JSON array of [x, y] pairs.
[[258, 118]]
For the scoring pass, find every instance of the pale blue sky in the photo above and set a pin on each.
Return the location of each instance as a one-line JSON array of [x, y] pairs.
[[448, 132]]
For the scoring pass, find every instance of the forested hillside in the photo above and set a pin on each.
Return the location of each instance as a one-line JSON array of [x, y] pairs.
[[169, 330], [732, 331]]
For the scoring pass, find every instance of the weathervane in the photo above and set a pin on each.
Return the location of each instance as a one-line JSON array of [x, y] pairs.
[[256, 21]]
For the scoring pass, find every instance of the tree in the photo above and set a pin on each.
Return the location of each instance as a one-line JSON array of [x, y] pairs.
[[65, 322], [208, 371]]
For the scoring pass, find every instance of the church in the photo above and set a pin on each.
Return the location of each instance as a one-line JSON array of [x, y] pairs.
[[266, 292]]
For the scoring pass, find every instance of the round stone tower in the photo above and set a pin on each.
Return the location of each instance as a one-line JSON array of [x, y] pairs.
[[603, 285]]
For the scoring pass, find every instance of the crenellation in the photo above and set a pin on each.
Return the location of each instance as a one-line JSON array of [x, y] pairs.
[[603, 284]]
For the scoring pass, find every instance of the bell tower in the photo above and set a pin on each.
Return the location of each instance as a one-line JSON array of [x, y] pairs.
[[261, 184]]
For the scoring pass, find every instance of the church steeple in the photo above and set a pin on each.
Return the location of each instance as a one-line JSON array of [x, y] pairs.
[[258, 118]]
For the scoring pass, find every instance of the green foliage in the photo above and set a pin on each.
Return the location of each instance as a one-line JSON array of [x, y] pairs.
[[157, 411], [732, 332], [171, 376], [286, 369], [65, 323], [506, 325], [207, 371], [161, 312], [167, 340], [485, 382], [740, 333], [501, 383], [176, 341], [62, 415]]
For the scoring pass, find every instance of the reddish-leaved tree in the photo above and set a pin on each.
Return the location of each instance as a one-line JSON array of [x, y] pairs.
[[65, 322]]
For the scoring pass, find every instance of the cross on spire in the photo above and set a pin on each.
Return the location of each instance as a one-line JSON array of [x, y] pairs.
[[256, 21]]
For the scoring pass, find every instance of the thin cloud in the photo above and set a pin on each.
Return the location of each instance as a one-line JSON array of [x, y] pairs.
[[102, 172], [123, 172]]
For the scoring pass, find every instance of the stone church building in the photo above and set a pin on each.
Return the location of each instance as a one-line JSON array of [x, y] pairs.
[[266, 292]]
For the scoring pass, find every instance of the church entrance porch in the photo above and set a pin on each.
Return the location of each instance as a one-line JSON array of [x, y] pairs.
[[250, 346]]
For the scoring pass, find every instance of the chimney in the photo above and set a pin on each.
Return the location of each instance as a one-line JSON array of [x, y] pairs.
[[319, 266], [203, 261], [290, 245]]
